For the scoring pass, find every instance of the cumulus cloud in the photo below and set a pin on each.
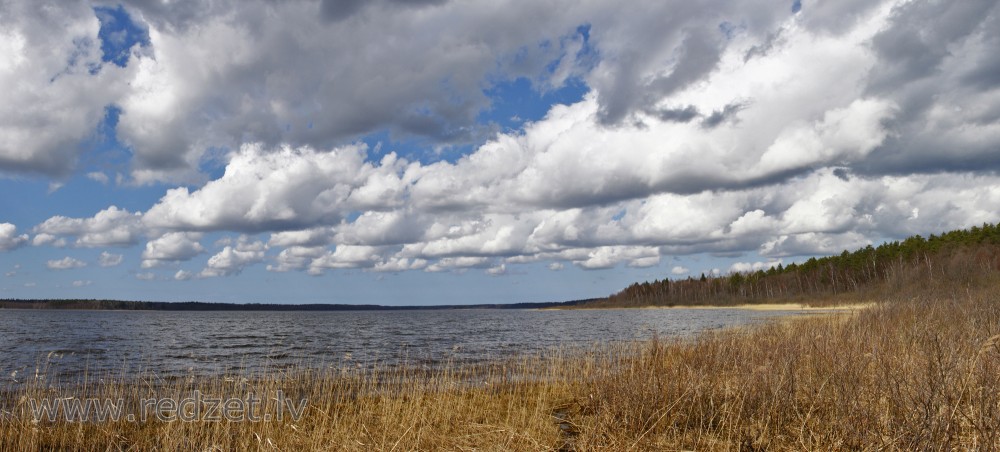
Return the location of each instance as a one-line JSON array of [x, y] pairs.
[[65, 263], [497, 270], [171, 247], [9, 238], [98, 177], [398, 264], [262, 83], [107, 259], [284, 190], [459, 263], [296, 258], [233, 259], [109, 227], [679, 270], [309, 237], [53, 57], [346, 256], [748, 267], [609, 256], [416, 75], [44, 239], [653, 62]]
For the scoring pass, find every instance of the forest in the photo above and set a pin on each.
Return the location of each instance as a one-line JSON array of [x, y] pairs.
[[953, 259]]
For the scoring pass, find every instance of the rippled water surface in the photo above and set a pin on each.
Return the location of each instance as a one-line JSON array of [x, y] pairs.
[[174, 343]]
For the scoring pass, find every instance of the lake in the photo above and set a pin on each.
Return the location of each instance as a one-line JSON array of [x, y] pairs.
[[170, 343]]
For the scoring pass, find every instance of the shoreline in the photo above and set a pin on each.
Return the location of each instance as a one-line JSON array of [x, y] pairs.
[[786, 307], [766, 307]]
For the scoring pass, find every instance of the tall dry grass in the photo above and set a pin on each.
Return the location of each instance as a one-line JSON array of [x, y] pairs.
[[920, 373], [911, 375]]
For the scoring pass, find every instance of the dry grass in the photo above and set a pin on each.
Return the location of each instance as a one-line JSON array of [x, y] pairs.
[[913, 374], [902, 376]]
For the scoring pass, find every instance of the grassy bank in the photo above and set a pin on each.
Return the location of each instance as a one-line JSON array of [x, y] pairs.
[[917, 373]]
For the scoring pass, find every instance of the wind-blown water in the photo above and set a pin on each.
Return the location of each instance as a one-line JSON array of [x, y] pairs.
[[175, 343]]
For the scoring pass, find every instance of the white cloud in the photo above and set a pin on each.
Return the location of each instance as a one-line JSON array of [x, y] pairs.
[[387, 228], [107, 259], [109, 227], [284, 190], [65, 263], [534, 194], [82, 283], [48, 239], [808, 215], [556, 266], [644, 262], [309, 237], [232, 260], [98, 177], [296, 258], [9, 238], [52, 57], [458, 263], [398, 264], [842, 136], [183, 275], [171, 247], [812, 244], [147, 276], [346, 256], [497, 270], [257, 82], [490, 234], [679, 270], [748, 267], [609, 256]]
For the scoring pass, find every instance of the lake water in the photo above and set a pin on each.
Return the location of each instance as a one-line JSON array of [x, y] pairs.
[[178, 343]]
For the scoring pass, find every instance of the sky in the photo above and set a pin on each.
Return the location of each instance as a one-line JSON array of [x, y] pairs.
[[448, 152]]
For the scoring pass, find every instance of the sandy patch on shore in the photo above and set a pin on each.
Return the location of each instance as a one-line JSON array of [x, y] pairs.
[[749, 307], [789, 307]]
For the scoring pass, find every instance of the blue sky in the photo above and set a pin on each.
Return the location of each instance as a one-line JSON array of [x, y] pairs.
[[446, 152]]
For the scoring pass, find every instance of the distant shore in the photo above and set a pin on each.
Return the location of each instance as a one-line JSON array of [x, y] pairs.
[[124, 305]]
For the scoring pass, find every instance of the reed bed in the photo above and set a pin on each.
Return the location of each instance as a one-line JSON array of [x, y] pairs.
[[909, 374]]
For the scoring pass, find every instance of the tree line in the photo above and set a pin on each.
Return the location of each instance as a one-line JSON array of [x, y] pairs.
[[951, 259]]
